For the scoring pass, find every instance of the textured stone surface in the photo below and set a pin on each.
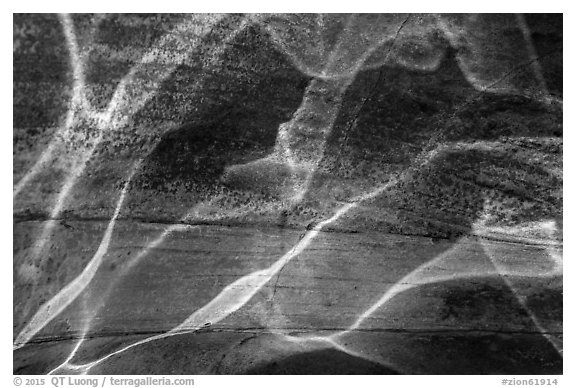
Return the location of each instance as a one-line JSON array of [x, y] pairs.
[[288, 194]]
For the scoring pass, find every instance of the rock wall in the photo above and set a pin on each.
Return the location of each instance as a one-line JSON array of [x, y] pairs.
[[288, 194]]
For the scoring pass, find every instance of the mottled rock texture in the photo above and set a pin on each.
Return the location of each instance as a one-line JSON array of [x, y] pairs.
[[359, 194]]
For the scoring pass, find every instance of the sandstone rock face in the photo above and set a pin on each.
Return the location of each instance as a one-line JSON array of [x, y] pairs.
[[292, 194]]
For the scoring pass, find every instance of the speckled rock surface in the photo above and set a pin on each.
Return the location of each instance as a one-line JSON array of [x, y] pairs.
[[239, 194]]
